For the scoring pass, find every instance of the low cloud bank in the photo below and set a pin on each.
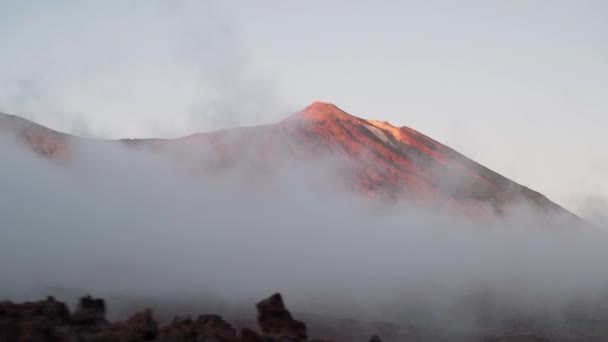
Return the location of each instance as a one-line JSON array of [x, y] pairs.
[[125, 223]]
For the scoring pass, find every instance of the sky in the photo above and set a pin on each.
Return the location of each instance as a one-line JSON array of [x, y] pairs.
[[516, 85]]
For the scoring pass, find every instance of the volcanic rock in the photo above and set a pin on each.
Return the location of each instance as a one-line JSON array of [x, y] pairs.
[[277, 322], [375, 338], [33, 321], [91, 311]]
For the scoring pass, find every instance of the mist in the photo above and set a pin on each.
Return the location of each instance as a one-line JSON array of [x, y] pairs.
[[117, 70], [131, 224]]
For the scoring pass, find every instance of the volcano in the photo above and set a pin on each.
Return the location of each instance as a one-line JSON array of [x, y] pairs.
[[378, 160]]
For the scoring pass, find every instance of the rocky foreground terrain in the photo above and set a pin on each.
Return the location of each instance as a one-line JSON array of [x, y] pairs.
[[51, 320]]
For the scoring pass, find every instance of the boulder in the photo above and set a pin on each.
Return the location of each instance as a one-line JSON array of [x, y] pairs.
[[276, 321]]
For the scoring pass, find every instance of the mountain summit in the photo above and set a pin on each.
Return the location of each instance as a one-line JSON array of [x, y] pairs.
[[381, 160], [322, 111]]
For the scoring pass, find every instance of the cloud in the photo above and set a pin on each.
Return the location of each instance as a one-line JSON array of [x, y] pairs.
[[121, 68], [128, 223]]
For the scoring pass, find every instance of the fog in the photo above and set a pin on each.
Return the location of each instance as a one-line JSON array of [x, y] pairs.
[[128, 223], [116, 70]]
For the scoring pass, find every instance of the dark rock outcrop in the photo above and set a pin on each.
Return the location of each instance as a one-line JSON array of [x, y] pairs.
[[50, 320], [214, 328], [180, 329], [91, 312], [248, 335], [140, 327], [276, 322], [33, 321]]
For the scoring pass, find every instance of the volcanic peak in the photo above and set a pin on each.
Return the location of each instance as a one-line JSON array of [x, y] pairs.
[[322, 111]]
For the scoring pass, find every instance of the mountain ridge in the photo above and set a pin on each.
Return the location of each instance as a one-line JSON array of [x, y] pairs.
[[385, 161]]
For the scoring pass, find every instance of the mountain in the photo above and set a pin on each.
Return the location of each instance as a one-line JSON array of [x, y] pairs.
[[376, 158], [40, 139]]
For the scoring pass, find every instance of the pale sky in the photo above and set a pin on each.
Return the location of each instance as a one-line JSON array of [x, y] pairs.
[[519, 86]]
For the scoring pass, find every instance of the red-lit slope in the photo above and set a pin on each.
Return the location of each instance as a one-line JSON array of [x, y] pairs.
[[40, 139], [380, 160], [376, 159]]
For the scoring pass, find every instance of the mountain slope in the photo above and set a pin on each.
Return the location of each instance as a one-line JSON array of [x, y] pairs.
[[376, 158], [40, 139]]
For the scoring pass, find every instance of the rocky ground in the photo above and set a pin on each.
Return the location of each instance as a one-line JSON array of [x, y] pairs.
[[51, 320]]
